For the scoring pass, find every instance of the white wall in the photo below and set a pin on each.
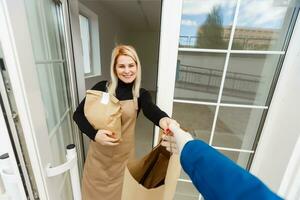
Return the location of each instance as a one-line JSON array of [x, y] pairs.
[[282, 127], [147, 47], [111, 30]]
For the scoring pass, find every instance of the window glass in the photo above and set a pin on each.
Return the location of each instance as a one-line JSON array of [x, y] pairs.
[[249, 78], [86, 44], [237, 127], [206, 23], [262, 25], [199, 75], [196, 119]]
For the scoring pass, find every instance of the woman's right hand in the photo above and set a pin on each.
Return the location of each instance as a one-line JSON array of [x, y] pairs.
[[106, 138]]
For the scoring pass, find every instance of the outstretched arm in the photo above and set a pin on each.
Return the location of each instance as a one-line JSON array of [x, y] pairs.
[[150, 110], [215, 176]]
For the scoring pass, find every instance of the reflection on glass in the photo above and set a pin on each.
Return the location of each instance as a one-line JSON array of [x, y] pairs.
[[198, 76], [262, 25], [196, 119], [46, 83], [206, 24], [237, 127], [239, 158], [65, 127], [85, 41], [38, 38], [60, 87], [186, 190], [249, 78]]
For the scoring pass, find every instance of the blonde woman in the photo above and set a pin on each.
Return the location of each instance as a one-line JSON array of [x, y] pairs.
[[107, 157]]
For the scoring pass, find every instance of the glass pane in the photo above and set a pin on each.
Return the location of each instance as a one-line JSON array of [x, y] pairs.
[[60, 86], [65, 130], [85, 41], [206, 24], [239, 158], [196, 119], [186, 191], [262, 24], [46, 83], [249, 78], [58, 149], [198, 76], [237, 127], [36, 29], [52, 33], [66, 190]]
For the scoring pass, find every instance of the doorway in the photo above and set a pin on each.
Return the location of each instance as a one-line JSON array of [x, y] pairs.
[[136, 23]]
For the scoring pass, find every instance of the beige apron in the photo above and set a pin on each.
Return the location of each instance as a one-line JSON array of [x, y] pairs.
[[104, 167]]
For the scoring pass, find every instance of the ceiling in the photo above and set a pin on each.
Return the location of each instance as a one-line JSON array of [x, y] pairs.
[[138, 15]]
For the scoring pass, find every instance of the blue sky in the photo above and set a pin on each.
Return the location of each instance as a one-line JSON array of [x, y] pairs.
[[252, 14]]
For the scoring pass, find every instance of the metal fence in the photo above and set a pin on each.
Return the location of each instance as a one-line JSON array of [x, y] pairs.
[[209, 80]]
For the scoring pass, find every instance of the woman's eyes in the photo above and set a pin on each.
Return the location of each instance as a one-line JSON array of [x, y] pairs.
[[123, 66]]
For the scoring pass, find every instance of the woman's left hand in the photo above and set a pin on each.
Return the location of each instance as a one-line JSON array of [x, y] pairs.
[[165, 122]]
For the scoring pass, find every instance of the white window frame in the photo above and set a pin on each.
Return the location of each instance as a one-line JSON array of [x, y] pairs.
[[169, 49], [94, 40], [281, 129]]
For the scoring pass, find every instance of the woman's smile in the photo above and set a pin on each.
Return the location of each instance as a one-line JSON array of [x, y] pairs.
[[126, 69]]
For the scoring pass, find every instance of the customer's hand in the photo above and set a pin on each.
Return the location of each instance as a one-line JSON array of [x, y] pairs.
[[106, 138], [165, 122], [169, 142], [180, 136]]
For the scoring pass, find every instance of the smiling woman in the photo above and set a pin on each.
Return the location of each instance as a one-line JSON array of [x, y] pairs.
[[107, 156], [126, 69]]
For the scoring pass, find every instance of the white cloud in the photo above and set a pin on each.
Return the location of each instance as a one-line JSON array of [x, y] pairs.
[[188, 22], [252, 13], [260, 13], [198, 7]]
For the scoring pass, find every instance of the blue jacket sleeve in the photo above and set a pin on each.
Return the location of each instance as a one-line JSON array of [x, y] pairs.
[[217, 177]]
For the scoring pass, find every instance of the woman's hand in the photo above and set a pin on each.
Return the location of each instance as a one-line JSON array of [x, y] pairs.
[[165, 122], [106, 138]]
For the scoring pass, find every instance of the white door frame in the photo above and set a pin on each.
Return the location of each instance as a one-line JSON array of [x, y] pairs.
[[168, 50], [18, 57], [282, 128], [6, 147], [18, 53], [75, 80]]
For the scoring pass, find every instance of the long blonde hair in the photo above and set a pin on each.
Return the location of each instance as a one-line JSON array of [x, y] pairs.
[[131, 52]]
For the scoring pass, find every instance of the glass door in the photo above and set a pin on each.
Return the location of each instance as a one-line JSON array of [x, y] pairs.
[[39, 65], [229, 57]]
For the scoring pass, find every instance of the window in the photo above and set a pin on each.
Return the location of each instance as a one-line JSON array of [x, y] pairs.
[[86, 43], [89, 31], [229, 57]]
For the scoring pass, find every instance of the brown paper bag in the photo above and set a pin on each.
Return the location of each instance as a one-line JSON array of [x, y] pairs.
[[103, 113], [153, 177]]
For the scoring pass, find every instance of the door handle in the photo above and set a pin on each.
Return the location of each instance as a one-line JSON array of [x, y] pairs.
[[71, 165]]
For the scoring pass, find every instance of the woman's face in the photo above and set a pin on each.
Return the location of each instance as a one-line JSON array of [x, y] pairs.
[[126, 69]]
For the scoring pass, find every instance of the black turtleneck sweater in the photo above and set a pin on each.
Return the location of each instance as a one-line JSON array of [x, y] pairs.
[[123, 92]]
